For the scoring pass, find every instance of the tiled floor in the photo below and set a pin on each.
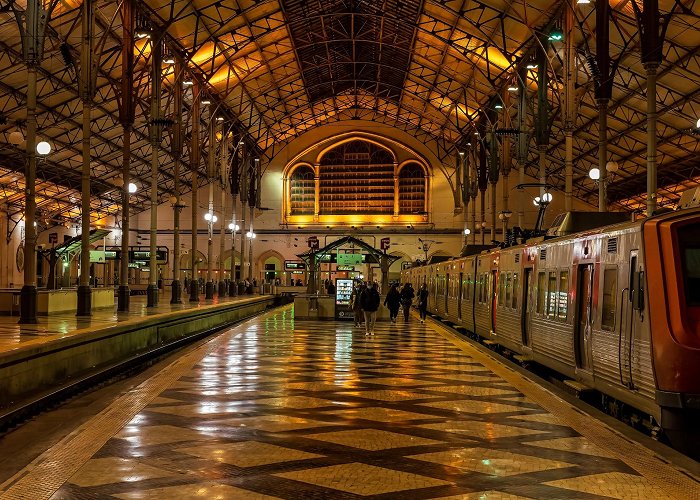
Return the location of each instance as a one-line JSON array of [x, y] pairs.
[[56, 326], [278, 409]]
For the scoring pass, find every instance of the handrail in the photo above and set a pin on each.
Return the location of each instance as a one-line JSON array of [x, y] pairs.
[[619, 341]]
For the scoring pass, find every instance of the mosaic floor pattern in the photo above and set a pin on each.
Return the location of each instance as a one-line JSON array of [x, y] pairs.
[[310, 410]]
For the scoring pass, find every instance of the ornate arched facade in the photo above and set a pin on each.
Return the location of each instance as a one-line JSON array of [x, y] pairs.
[[355, 179]]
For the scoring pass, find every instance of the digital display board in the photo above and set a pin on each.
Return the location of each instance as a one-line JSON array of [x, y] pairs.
[[343, 290], [293, 265], [345, 268]]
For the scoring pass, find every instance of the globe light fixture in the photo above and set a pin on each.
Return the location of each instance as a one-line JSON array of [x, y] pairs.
[[16, 137], [214, 218], [251, 235], [119, 182], [698, 124], [594, 173], [233, 227], [207, 216], [547, 198], [132, 188], [467, 231], [536, 201], [43, 148], [611, 167]]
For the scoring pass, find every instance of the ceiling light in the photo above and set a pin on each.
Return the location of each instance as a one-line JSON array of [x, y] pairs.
[[467, 232], [233, 227], [141, 34], [498, 106], [461, 153], [132, 188], [594, 173], [583, 1], [531, 65], [187, 83], [43, 148], [16, 137], [168, 60], [207, 216], [698, 124], [206, 102], [250, 235], [219, 118], [512, 88], [214, 218], [556, 35]]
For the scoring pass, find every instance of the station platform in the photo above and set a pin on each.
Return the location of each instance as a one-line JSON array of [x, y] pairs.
[[38, 360], [277, 408]]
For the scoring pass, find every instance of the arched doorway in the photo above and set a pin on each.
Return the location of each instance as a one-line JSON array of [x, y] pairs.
[[227, 264], [270, 265], [186, 265]]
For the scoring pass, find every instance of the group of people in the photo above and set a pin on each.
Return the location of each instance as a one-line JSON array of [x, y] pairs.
[[365, 301]]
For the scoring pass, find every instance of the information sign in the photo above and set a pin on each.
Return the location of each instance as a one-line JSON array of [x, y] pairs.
[[385, 243], [349, 259], [345, 268], [294, 265], [313, 242], [53, 238], [343, 290]]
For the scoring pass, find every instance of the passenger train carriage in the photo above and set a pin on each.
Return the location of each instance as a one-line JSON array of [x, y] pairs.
[[616, 308]]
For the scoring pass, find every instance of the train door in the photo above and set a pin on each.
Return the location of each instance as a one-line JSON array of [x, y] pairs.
[[494, 298], [584, 317], [525, 313], [631, 319], [459, 296], [447, 292]]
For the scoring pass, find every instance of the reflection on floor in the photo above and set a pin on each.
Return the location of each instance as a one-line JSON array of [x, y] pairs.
[[277, 409], [60, 325]]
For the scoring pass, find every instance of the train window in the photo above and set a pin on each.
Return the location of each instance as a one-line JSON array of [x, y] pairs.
[[541, 292], [501, 288], [563, 305], [514, 304], [691, 264], [607, 321], [552, 295], [509, 289]]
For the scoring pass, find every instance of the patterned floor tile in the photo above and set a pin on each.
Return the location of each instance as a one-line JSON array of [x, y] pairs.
[[247, 454], [195, 492], [362, 479], [572, 444], [110, 470], [299, 410], [493, 462], [371, 439], [482, 430], [613, 485]]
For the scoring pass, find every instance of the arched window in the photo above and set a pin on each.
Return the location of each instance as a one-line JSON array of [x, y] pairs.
[[302, 191], [356, 177], [412, 189]]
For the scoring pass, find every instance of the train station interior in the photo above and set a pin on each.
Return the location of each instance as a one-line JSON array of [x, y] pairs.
[[308, 249]]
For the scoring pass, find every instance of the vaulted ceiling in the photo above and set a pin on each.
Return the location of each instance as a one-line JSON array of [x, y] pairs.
[[278, 68]]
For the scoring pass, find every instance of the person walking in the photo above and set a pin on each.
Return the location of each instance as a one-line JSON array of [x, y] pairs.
[[370, 301], [356, 304], [407, 295], [393, 302], [423, 302]]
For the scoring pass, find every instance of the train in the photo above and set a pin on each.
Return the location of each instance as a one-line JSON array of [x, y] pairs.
[[614, 308]]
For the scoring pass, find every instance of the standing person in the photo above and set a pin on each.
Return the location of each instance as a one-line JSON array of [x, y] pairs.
[[331, 288], [355, 303], [393, 302], [370, 301], [407, 295], [423, 302]]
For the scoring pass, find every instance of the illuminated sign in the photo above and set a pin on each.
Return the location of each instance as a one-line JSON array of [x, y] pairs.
[[294, 264], [349, 259], [345, 268]]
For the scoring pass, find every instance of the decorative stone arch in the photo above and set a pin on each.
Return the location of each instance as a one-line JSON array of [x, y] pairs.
[[267, 255], [227, 261], [288, 187], [352, 138], [186, 262]]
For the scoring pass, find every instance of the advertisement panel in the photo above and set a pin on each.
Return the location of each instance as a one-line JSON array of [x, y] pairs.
[[343, 290]]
